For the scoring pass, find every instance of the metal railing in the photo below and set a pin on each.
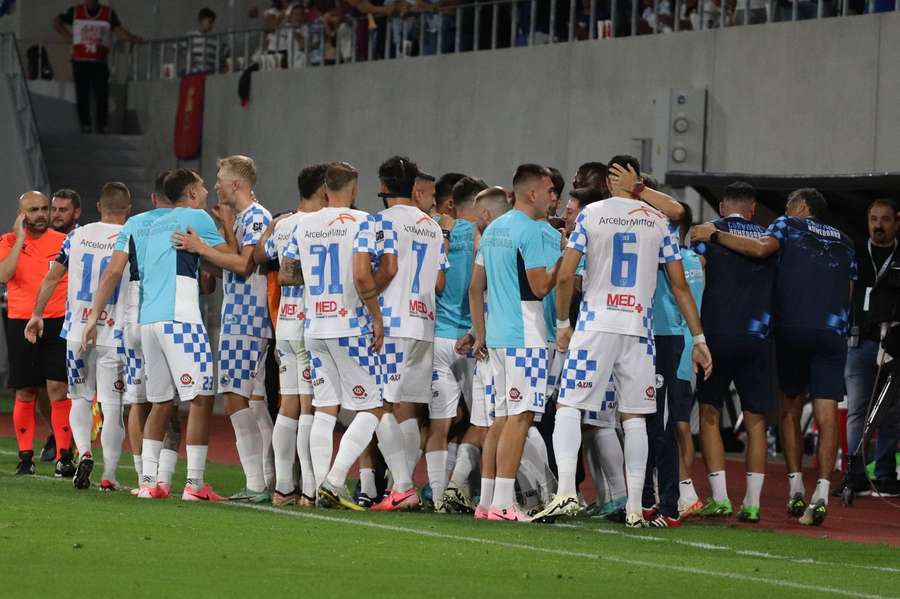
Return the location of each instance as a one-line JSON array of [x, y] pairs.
[[453, 28], [29, 138]]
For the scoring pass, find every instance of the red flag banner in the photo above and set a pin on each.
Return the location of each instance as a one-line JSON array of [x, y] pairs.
[[189, 118]]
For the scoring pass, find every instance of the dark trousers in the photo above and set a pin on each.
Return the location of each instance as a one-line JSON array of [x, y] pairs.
[[663, 455], [91, 76]]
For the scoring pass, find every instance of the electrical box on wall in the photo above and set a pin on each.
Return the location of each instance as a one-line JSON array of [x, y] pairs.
[[680, 131]]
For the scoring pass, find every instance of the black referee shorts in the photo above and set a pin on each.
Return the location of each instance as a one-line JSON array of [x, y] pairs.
[[33, 364]]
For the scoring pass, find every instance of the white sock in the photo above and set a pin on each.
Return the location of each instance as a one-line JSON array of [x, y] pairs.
[[754, 489], [612, 461], [249, 447], [436, 461], [717, 485], [795, 482], [196, 464], [307, 474], [411, 442], [391, 445], [452, 452], [566, 442], [353, 443], [111, 437], [367, 484], [504, 493], [81, 421], [635, 461], [321, 445], [284, 444], [168, 458], [823, 485], [260, 410], [487, 493], [467, 458], [687, 494], [534, 454], [138, 465], [150, 461]]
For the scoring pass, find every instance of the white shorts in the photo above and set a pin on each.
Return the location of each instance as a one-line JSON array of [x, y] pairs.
[[407, 367], [177, 359], [606, 416], [135, 389], [481, 412], [345, 373], [556, 360], [98, 372], [450, 380], [240, 359], [520, 380], [259, 381], [294, 377], [594, 356]]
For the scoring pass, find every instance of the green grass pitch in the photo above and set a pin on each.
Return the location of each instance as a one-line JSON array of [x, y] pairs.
[[54, 539]]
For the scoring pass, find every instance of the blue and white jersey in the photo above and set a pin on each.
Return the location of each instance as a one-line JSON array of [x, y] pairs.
[[324, 243], [511, 245], [291, 308], [408, 302], [552, 240], [623, 241], [454, 318], [245, 309], [816, 264], [86, 253], [136, 226], [169, 288]]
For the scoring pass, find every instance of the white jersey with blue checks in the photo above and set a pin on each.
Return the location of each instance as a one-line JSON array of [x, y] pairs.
[[244, 302], [623, 241], [86, 253], [325, 242], [408, 302], [291, 310]]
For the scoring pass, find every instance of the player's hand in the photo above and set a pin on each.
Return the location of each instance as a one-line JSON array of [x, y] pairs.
[[34, 330], [89, 335], [464, 345], [188, 241], [702, 360], [563, 338], [19, 226], [478, 348], [377, 336], [224, 214], [702, 232], [625, 178]]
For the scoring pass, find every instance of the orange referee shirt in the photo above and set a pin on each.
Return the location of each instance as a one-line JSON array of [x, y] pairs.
[[37, 256]]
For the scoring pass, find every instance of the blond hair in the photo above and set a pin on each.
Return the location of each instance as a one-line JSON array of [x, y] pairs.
[[242, 167]]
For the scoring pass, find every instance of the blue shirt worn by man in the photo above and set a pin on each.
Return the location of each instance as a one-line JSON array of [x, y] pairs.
[[511, 245], [454, 319], [738, 296], [169, 288]]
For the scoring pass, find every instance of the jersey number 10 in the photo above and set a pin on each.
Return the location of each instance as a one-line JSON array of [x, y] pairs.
[[85, 293]]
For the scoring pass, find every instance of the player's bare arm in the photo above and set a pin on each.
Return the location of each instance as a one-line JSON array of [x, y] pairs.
[[476, 303], [387, 270], [221, 255], [541, 280], [365, 287], [630, 180], [108, 283], [35, 327], [290, 272], [565, 287]]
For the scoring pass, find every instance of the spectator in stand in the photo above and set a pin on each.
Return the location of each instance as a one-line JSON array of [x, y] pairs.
[[203, 49], [656, 17], [25, 257], [65, 210], [90, 26], [402, 27], [757, 13]]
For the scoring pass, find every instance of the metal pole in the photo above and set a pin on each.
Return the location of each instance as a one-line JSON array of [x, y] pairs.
[[162, 56], [677, 26], [370, 42], [494, 16], [354, 34], [404, 29], [246, 49], [387, 37], [552, 20], [290, 48], [421, 34], [187, 66], [458, 32], [613, 13], [820, 11], [306, 48], [531, 25], [746, 12], [702, 20], [634, 16], [592, 23], [134, 63], [513, 23], [149, 58], [656, 16], [722, 12], [477, 29], [795, 11], [572, 20]]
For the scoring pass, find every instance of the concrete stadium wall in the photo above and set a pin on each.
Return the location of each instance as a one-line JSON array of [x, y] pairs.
[[813, 97]]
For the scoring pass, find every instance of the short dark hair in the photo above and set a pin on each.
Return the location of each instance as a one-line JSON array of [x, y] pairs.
[[813, 199], [687, 219], [466, 189], [424, 176], [528, 171], [587, 195], [398, 174], [590, 174], [739, 191], [559, 184], [69, 194], [178, 181], [310, 179], [206, 13], [340, 174], [443, 188], [159, 184], [625, 160], [115, 197], [886, 202]]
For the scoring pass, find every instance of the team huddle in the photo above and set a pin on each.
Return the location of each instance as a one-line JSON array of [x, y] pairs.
[[440, 329]]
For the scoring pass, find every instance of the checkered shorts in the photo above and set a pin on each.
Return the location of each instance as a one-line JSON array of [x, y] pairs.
[[177, 359], [520, 379], [345, 373], [240, 360]]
